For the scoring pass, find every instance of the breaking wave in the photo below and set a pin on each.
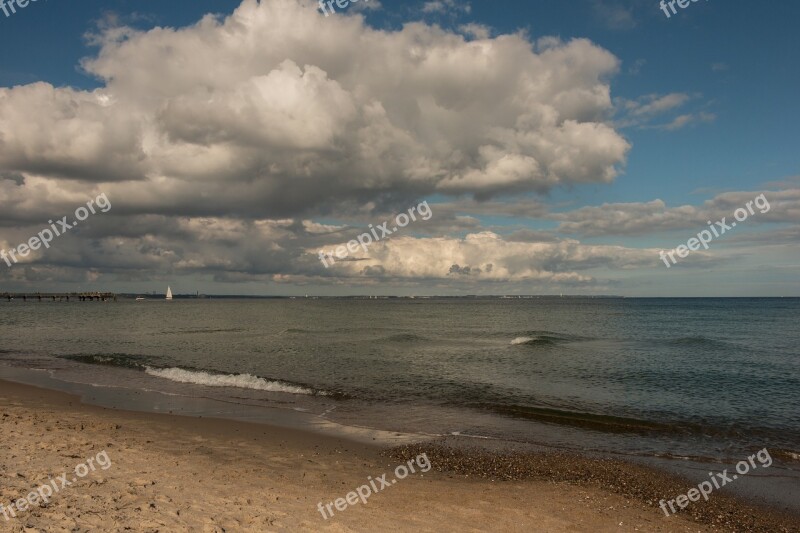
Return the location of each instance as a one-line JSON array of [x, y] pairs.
[[538, 339], [242, 381]]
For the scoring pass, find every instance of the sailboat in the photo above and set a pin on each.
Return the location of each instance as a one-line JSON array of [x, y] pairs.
[[169, 293]]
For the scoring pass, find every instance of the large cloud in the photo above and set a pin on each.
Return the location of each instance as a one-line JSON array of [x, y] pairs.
[[277, 110]]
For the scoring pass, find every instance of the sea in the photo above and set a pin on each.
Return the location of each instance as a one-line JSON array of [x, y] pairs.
[[682, 379]]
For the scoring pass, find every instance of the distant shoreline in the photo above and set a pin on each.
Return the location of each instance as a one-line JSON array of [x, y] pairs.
[[176, 296]]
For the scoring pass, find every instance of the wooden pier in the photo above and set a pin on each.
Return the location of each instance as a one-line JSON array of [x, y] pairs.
[[58, 296]]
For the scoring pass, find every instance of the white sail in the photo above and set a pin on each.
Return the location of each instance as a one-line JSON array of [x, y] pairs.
[[169, 293]]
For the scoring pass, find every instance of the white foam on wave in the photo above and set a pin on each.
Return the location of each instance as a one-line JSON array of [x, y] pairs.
[[242, 381], [523, 340]]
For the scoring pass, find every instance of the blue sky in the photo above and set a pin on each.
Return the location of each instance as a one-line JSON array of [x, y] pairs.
[[728, 67]]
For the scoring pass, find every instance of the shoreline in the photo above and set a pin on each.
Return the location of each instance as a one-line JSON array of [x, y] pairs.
[[637, 482], [274, 477], [161, 402]]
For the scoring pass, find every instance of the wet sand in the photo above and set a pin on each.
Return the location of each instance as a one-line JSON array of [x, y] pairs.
[[176, 473], [722, 511]]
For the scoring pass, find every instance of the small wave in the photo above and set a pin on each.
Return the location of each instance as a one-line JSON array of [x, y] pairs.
[[404, 337], [698, 340], [112, 359], [538, 339], [202, 330], [242, 381], [586, 420]]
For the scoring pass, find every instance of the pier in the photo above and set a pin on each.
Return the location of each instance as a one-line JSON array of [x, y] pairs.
[[58, 296]]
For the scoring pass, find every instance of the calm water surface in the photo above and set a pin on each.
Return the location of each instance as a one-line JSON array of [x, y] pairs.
[[704, 377]]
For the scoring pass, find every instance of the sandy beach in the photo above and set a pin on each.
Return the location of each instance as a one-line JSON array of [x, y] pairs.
[[174, 473]]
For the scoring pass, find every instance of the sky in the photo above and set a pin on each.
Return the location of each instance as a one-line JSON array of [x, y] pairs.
[[553, 147]]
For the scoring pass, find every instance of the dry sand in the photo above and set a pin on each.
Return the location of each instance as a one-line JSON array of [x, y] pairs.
[[173, 473]]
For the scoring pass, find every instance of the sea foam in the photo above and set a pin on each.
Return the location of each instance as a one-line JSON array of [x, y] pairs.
[[242, 381]]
